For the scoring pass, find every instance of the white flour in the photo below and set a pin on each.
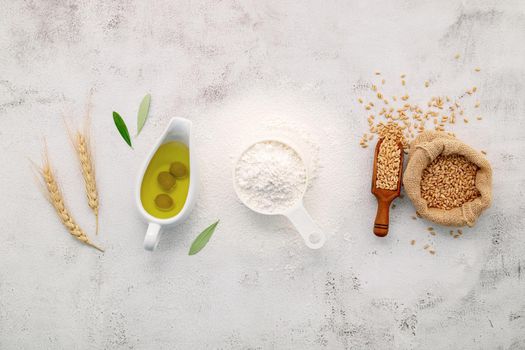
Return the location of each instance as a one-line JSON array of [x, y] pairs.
[[270, 176]]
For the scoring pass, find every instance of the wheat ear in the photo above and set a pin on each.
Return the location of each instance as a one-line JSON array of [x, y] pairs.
[[56, 199], [82, 147], [80, 141]]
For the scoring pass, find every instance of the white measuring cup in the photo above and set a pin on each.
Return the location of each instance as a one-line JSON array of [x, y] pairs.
[[311, 233]]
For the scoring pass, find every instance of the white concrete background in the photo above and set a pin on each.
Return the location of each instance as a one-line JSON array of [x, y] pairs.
[[237, 70]]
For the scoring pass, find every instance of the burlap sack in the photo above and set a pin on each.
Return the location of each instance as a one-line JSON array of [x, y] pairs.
[[423, 150]]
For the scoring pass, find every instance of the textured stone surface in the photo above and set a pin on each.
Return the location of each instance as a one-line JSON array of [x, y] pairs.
[[239, 70]]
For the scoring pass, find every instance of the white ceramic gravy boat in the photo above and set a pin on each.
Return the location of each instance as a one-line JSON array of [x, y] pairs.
[[179, 129]]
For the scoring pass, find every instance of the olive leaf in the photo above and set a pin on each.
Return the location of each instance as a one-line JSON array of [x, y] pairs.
[[143, 112], [202, 239], [122, 128]]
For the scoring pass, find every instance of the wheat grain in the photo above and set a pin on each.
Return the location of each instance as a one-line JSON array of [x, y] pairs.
[[389, 156], [449, 182], [55, 197], [388, 165]]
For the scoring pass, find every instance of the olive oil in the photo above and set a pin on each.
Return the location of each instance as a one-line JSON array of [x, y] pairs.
[[153, 185]]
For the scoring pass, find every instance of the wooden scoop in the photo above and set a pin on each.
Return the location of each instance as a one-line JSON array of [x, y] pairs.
[[384, 197]]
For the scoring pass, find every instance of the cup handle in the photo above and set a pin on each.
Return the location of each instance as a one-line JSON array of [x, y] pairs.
[[313, 236], [152, 237]]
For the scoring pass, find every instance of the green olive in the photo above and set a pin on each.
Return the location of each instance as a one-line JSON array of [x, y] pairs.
[[164, 202], [166, 180], [178, 170]]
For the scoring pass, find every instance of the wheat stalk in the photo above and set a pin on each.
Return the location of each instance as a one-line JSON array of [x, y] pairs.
[[54, 195], [83, 150], [80, 141]]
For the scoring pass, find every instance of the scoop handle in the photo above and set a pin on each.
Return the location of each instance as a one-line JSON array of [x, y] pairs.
[[313, 236], [382, 217], [152, 236]]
